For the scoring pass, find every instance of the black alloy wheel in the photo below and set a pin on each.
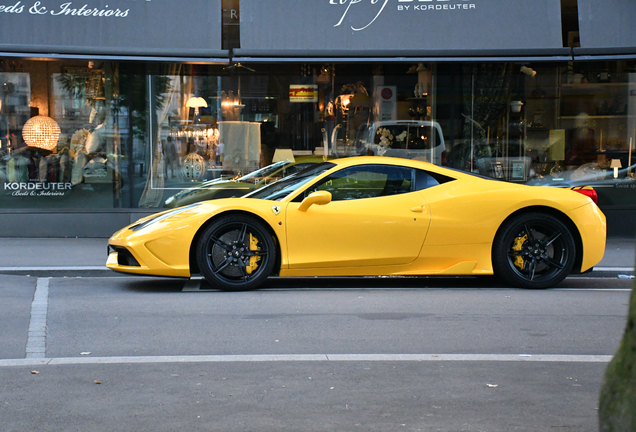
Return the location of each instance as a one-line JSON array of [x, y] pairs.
[[236, 253], [533, 250]]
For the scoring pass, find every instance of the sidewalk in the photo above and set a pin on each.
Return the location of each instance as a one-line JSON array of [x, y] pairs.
[[619, 252], [30, 253], [89, 254]]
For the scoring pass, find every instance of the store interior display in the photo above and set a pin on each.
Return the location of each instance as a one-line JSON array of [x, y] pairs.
[[191, 150]]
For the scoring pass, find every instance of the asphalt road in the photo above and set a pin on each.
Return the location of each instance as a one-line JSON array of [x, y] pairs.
[[363, 354]]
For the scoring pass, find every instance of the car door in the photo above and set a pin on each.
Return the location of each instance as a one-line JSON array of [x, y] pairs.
[[376, 217]]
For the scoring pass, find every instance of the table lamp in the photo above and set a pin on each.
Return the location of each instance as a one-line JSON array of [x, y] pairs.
[[557, 150], [616, 164], [196, 102]]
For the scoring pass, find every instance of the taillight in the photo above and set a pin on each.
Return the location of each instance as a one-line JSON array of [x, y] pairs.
[[588, 192], [444, 158]]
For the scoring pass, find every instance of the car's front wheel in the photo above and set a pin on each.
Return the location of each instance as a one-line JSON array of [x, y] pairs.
[[236, 253], [533, 250]]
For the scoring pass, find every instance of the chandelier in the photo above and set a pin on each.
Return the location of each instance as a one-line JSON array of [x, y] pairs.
[[41, 132]]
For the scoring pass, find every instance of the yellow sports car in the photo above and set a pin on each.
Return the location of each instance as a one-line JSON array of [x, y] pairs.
[[367, 216]]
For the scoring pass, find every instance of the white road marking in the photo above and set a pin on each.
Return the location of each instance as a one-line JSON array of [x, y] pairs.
[[36, 339], [543, 358], [614, 269], [595, 289]]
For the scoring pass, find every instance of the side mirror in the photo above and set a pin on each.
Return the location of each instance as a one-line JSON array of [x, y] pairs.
[[318, 198]]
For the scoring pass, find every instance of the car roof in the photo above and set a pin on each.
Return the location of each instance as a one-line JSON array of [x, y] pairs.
[[411, 163]]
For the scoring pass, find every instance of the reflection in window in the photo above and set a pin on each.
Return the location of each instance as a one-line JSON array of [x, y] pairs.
[[281, 189], [367, 181]]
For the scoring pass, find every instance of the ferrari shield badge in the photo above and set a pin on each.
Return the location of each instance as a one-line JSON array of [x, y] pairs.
[[276, 210]]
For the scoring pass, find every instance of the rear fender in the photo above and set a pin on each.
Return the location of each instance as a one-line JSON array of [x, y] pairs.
[[576, 235]]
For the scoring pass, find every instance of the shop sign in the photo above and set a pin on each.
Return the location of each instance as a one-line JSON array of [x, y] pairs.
[[303, 93], [607, 23], [403, 6], [37, 189], [386, 105], [351, 25], [39, 8], [165, 27]]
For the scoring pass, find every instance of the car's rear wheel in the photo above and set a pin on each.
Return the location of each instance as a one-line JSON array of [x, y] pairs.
[[236, 253], [533, 250]]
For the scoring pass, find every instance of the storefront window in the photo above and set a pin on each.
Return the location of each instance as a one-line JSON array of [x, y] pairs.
[[60, 136], [587, 131], [136, 135]]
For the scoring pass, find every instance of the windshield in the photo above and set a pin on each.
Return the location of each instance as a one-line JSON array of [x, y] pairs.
[[279, 190], [258, 175]]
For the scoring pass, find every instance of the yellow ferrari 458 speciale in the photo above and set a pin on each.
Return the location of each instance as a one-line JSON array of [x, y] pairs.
[[371, 216]]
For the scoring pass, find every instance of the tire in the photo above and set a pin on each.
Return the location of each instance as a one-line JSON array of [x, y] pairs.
[[236, 253], [533, 250]]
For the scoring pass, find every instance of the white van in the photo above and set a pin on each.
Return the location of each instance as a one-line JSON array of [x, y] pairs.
[[410, 139]]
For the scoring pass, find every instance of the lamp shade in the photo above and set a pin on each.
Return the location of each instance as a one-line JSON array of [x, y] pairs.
[[41, 132], [283, 155], [515, 106], [557, 144], [616, 163], [196, 102]]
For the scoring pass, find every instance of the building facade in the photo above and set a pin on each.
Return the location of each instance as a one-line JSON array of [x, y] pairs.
[[109, 109]]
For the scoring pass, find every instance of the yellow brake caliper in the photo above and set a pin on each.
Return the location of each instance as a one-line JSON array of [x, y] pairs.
[[518, 246], [253, 264]]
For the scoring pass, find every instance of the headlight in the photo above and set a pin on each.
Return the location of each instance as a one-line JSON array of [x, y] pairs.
[[162, 217]]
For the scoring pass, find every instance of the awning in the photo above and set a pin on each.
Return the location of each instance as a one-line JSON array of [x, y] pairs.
[[360, 56], [389, 30], [605, 53], [117, 29], [606, 30], [51, 52]]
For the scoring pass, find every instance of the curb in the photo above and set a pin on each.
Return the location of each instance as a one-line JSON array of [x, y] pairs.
[[60, 271], [103, 271]]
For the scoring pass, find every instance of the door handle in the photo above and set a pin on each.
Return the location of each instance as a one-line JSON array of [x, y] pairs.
[[417, 209]]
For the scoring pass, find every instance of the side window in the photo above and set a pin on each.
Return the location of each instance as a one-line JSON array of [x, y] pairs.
[[365, 181], [425, 180]]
